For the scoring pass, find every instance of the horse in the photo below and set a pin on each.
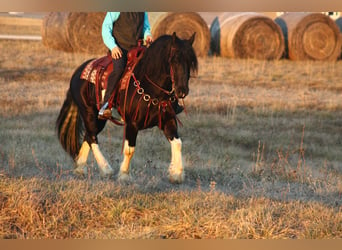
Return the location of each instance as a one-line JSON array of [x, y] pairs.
[[158, 81]]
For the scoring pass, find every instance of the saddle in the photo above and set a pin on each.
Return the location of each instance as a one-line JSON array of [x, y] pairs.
[[98, 70]]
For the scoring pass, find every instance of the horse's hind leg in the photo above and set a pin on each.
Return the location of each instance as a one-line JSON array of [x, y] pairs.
[[176, 170], [106, 170], [93, 127], [81, 160]]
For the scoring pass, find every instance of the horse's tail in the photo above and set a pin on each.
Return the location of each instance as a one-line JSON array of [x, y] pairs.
[[69, 126]]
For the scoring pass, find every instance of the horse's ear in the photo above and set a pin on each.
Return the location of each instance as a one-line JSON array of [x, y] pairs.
[[192, 38], [174, 37]]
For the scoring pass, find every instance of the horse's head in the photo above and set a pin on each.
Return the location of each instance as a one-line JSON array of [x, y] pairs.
[[183, 62], [169, 56]]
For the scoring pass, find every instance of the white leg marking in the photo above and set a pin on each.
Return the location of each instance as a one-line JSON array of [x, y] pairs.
[[124, 168], [105, 169], [81, 160], [176, 173]]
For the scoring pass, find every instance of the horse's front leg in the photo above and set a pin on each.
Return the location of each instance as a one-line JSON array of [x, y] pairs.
[[176, 171], [128, 152]]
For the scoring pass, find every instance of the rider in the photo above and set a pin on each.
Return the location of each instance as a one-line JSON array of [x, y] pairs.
[[121, 32]]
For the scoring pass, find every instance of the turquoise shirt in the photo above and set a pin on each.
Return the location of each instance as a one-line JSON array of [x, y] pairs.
[[107, 29]]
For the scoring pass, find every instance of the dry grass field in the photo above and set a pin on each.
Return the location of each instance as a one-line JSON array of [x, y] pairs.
[[262, 148]]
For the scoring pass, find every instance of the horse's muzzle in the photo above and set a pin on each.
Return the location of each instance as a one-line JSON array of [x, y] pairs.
[[182, 92]]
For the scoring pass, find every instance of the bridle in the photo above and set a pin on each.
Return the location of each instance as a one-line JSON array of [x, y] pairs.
[[170, 93], [172, 76], [160, 88], [161, 104]]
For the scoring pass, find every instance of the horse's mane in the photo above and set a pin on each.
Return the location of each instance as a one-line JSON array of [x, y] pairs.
[[156, 58]]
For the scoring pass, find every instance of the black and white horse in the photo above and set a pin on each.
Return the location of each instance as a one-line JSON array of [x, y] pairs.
[[158, 80]]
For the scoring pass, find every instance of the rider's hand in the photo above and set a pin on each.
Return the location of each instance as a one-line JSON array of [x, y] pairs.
[[116, 52], [149, 40]]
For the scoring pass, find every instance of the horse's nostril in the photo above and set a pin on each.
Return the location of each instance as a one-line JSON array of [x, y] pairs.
[[181, 93]]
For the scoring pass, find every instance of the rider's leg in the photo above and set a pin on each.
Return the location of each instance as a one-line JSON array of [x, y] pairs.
[[118, 68]]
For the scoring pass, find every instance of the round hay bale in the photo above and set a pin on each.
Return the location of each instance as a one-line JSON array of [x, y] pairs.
[[153, 17], [246, 35], [310, 36], [55, 31], [84, 30], [184, 24]]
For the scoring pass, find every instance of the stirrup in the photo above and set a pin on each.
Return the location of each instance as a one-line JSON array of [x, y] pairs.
[[103, 108], [106, 114]]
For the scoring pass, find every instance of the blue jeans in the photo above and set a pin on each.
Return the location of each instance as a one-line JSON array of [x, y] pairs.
[[119, 66]]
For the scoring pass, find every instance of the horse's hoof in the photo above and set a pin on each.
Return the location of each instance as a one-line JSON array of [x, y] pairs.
[[176, 178], [81, 171], [124, 178], [106, 173]]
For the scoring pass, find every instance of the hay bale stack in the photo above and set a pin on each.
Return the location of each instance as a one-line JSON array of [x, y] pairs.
[[55, 31], [246, 35], [184, 24], [74, 32], [310, 36]]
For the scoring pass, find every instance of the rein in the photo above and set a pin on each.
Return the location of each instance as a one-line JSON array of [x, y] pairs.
[[160, 88]]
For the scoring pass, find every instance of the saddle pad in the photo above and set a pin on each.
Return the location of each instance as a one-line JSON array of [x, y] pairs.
[[98, 70]]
